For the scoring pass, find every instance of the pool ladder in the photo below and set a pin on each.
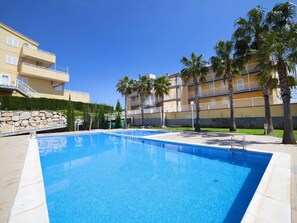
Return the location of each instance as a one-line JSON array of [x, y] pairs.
[[232, 143]]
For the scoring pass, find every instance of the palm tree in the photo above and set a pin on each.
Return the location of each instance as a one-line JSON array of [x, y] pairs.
[[281, 43], [162, 87], [125, 87], [227, 66], [195, 68], [143, 87], [248, 38]]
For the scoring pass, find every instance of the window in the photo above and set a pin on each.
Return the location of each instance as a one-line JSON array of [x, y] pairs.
[[23, 79], [179, 81], [240, 85], [200, 91], [213, 102], [11, 60], [211, 86], [12, 42], [4, 79], [225, 101]]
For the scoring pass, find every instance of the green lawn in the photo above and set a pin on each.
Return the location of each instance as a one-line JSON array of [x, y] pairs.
[[278, 132]]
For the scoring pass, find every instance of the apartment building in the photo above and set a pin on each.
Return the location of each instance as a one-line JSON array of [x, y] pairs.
[[213, 93], [27, 71]]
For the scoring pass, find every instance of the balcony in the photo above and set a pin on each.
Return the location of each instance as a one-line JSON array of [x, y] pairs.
[[44, 57], [246, 87], [32, 70]]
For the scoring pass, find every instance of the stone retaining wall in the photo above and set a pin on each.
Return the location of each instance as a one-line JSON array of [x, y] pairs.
[[25, 120]]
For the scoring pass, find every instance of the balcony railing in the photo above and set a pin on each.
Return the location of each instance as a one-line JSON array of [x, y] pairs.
[[53, 68], [247, 102], [224, 90], [170, 97], [43, 51]]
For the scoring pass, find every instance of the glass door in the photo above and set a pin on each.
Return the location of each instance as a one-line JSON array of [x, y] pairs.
[[4, 79]]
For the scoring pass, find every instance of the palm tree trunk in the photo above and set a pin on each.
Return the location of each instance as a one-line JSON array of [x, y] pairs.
[[162, 118], [126, 98], [197, 123], [142, 109], [231, 97], [268, 117], [288, 137]]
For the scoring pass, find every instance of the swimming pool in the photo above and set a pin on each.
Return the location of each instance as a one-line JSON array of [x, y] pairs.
[[105, 178], [138, 132]]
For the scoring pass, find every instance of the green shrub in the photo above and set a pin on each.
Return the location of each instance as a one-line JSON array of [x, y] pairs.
[[21, 103]]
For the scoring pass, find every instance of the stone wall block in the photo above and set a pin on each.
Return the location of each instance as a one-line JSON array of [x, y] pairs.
[[34, 113], [4, 119], [6, 128], [48, 114], [24, 123], [15, 118], [7, 114], [25, 115]]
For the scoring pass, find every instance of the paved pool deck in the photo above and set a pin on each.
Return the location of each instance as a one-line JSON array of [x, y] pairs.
[[13, 151]]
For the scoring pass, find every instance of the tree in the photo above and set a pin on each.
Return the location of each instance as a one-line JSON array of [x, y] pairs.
[[118, 106], [87, 117], [70, 116], [226, 65], [143, 86], [281, 43], [248, 39], [195, 68], [125, 86], [162, 87], [118, 123]]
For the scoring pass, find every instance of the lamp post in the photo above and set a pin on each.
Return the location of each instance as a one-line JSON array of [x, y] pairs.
[[192, 110]]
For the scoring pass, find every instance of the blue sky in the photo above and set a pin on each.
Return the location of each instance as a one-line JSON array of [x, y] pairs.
[[104, 40]]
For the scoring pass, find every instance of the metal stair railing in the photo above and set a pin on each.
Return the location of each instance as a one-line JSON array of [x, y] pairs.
[[25, 89]]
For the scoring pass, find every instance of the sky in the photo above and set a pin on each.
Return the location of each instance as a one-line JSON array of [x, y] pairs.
[[103, 40]]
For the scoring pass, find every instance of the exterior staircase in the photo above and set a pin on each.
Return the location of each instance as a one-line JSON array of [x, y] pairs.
[[21, 88]]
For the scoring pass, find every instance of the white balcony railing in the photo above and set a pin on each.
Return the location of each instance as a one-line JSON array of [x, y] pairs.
[[224, 90], [247, 102], [43, 51]]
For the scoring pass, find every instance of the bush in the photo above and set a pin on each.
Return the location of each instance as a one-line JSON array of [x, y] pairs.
[[21, 103]]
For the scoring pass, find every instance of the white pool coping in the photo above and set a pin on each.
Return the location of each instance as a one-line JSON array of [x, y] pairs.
[[271, 201], [30, 202]]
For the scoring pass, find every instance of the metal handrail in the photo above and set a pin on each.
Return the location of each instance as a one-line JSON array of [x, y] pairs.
[[26, 89]]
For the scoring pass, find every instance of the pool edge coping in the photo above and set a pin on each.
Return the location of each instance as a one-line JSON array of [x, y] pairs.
[[267, 204], [30, 201]]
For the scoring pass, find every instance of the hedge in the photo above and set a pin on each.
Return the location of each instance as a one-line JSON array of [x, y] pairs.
[[20, 103]]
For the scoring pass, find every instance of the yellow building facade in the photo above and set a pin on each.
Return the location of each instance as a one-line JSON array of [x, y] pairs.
[[213, 93], [27, 71]]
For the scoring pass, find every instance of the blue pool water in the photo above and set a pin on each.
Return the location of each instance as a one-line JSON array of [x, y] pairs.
[[138, 132], [106, 178]]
